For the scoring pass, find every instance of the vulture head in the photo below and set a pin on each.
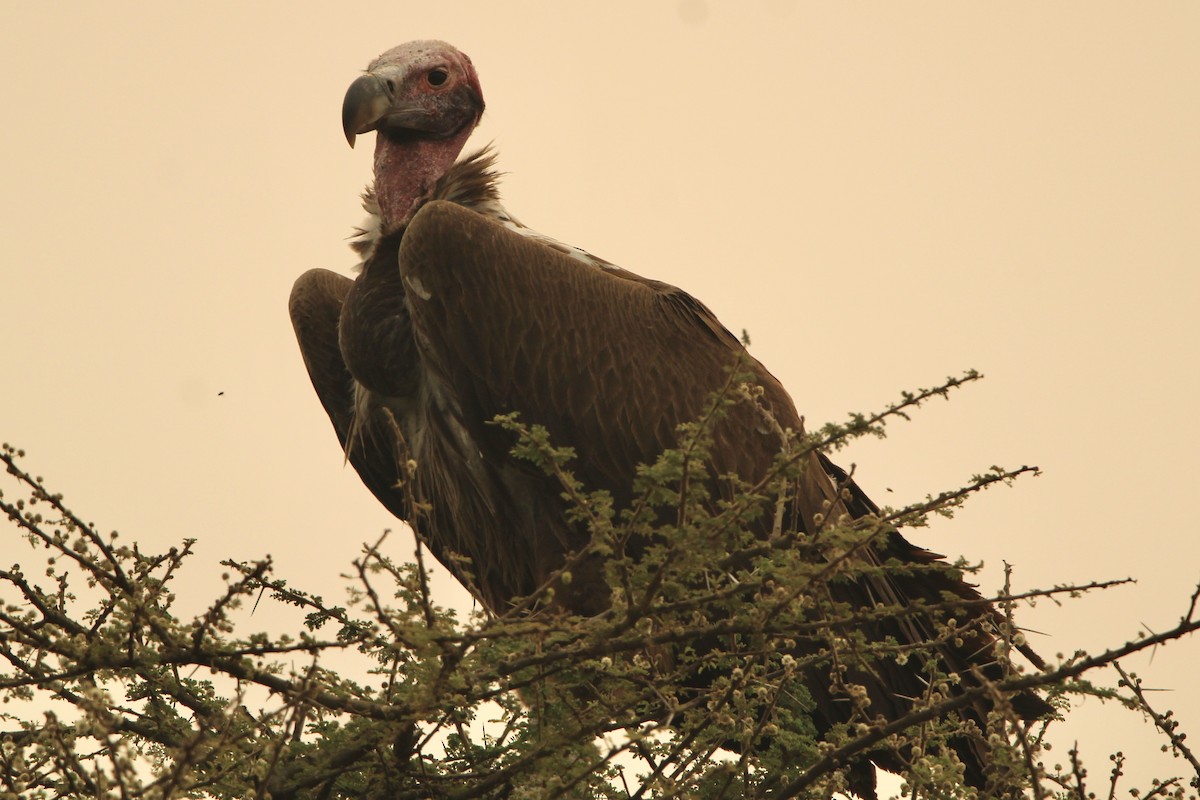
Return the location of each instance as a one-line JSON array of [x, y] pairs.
[[423, 100]]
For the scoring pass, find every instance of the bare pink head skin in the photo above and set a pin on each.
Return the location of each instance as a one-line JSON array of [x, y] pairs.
[[423, 100]]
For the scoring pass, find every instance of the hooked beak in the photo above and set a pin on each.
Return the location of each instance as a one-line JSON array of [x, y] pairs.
[[367, 101]]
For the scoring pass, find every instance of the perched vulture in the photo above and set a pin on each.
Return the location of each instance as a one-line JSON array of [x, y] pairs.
[[460, 313]]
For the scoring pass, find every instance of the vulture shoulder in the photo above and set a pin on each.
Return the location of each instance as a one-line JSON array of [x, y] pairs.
[[316, 304]]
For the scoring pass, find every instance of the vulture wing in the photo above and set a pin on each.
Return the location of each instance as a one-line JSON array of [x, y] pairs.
[[610, 362]]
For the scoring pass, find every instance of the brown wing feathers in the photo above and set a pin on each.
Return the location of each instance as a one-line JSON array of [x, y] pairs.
[[596, 358]]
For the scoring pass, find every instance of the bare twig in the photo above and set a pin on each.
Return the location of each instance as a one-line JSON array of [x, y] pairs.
[[1164, 722]]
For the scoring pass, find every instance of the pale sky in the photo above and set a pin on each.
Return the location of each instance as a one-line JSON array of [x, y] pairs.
[[883, 194]]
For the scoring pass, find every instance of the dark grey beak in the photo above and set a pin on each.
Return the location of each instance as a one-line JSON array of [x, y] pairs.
[[367, 100]]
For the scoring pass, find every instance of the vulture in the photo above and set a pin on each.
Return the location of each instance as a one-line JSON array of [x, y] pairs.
[[460, 313]]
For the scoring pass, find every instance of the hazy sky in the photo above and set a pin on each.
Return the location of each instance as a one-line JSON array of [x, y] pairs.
[[882, 194]]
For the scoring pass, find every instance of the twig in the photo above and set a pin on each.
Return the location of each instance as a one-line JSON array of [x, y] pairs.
[[1168, 726]]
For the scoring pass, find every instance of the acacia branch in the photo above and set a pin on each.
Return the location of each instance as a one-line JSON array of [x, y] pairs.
[[1168, 726]]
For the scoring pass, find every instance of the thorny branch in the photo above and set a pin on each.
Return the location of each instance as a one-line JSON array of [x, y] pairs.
[[1164, 722]]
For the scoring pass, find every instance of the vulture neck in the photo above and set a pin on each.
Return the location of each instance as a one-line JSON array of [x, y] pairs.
[[407, 169]]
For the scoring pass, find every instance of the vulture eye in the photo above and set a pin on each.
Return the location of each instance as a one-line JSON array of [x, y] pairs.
[[437, 76]]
